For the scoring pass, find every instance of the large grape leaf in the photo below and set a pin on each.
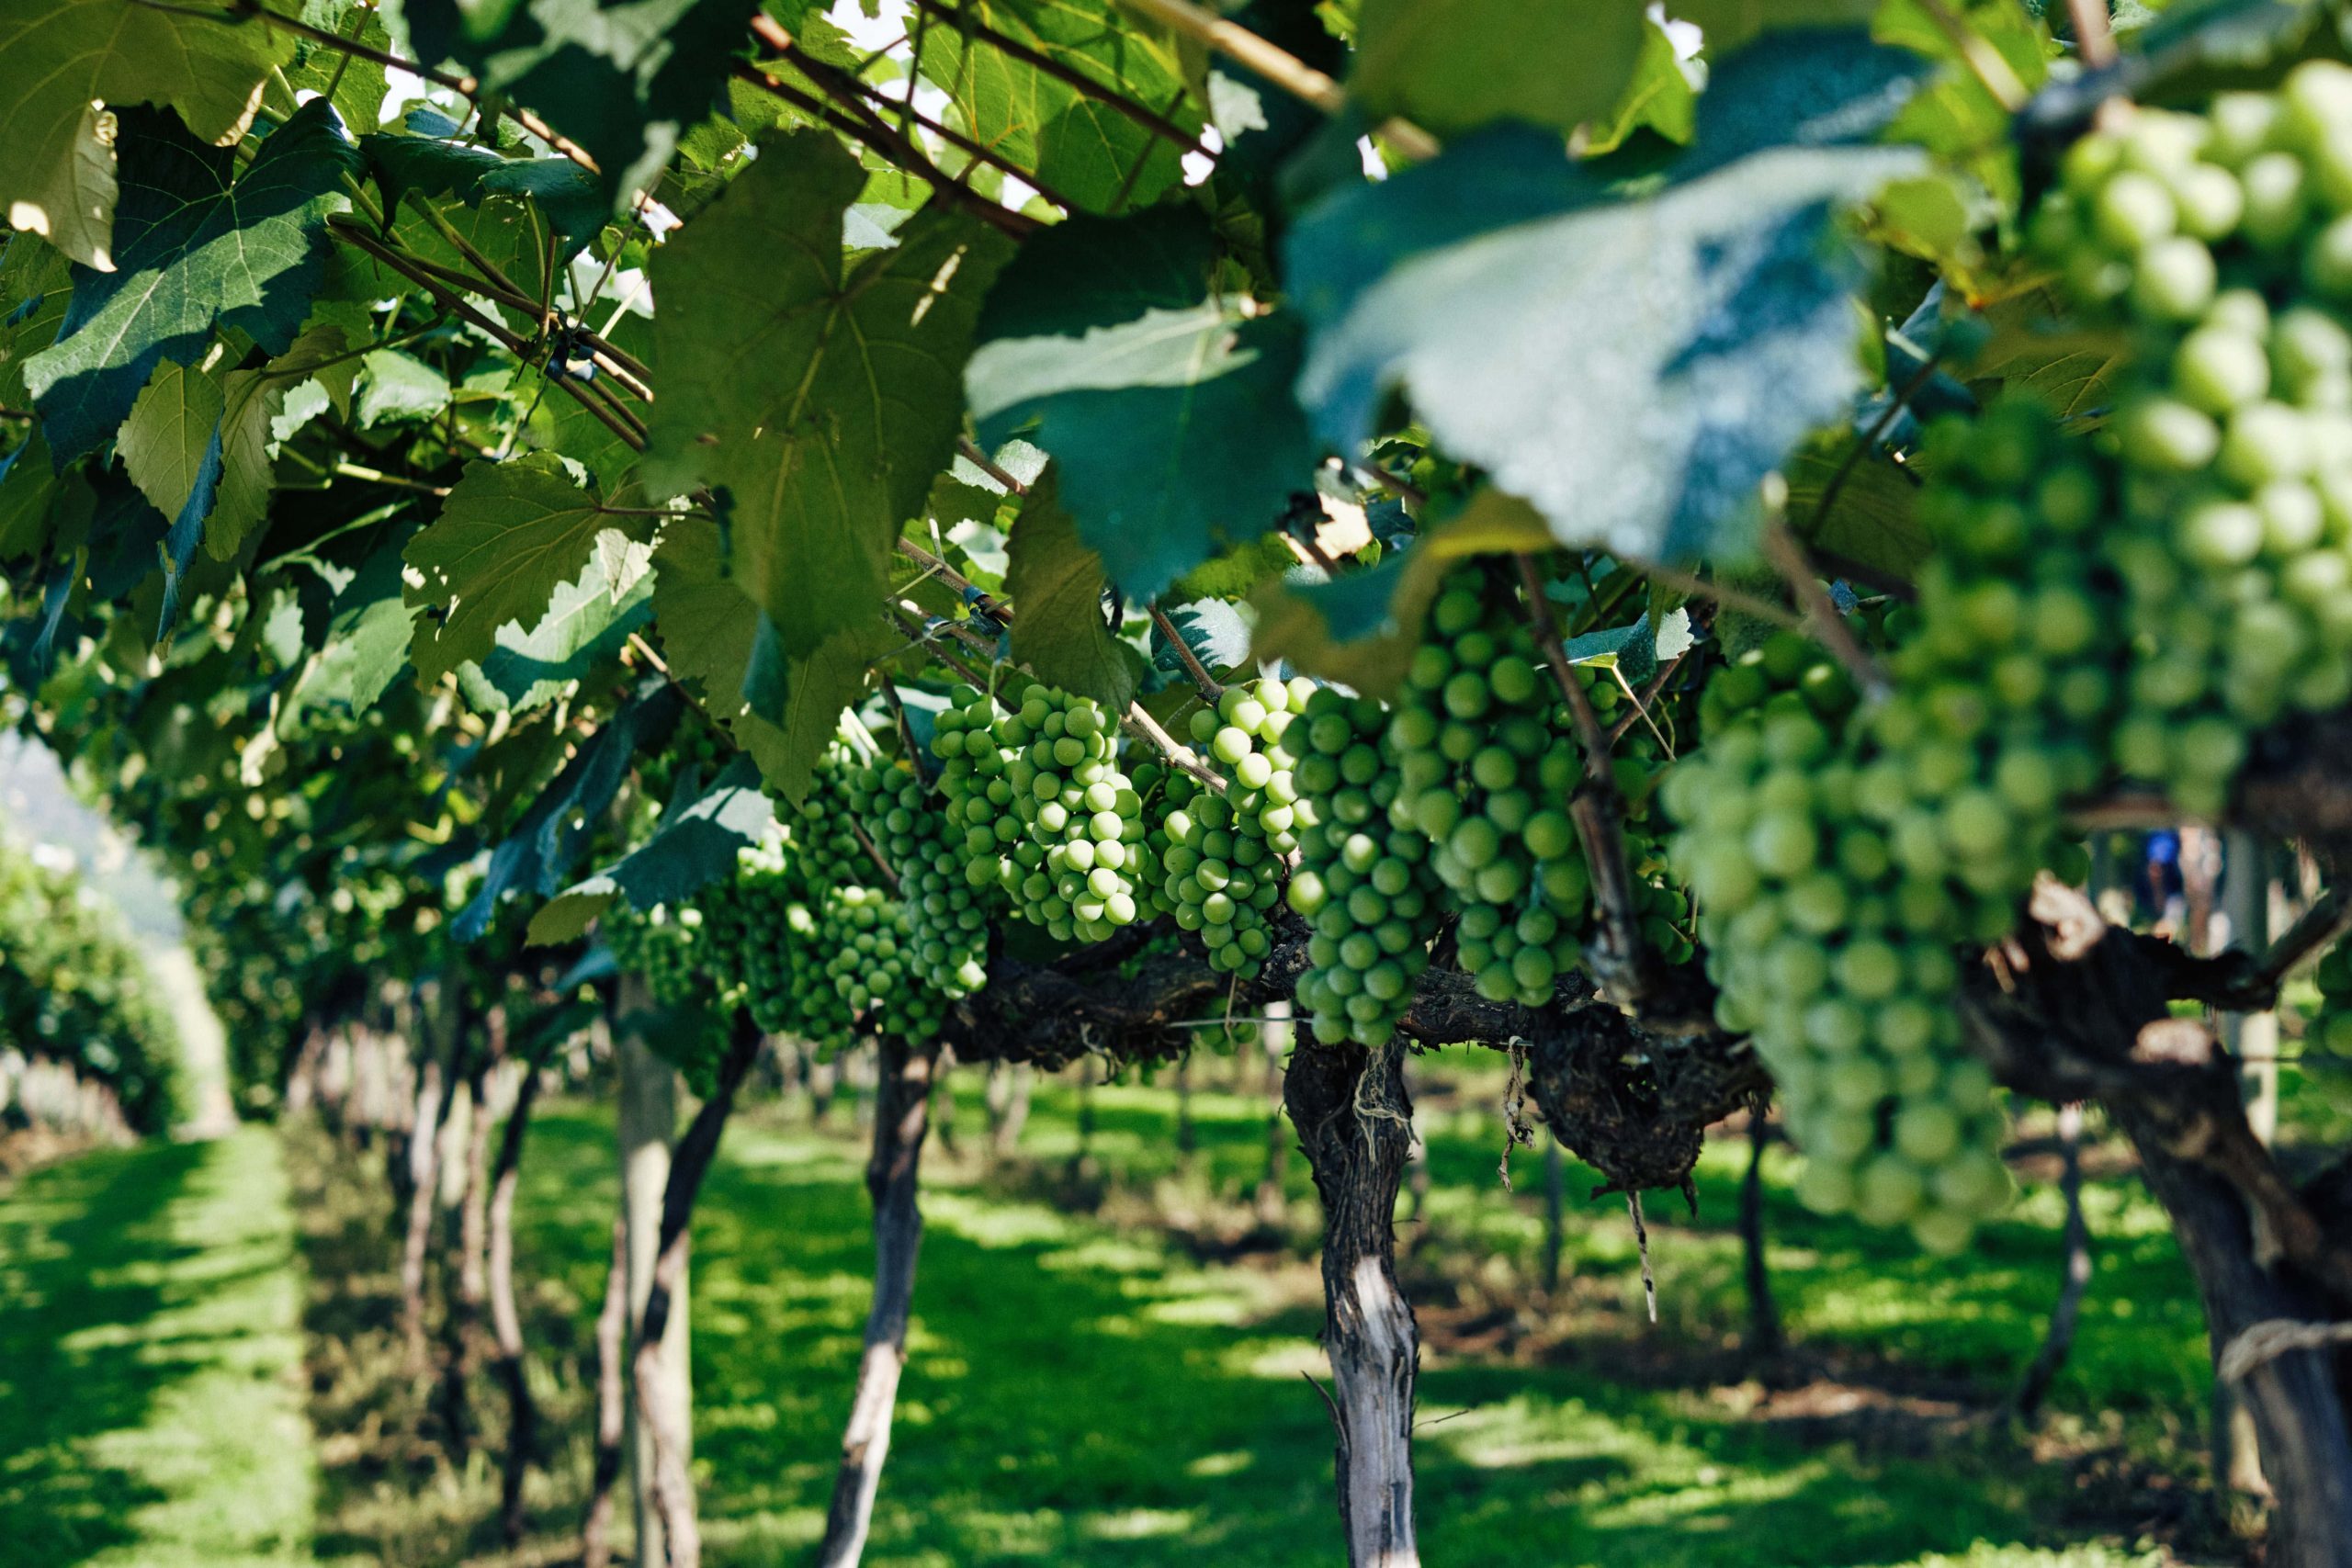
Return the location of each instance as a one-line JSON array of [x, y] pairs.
[[711, 635], [425, 164], [1056, 587], [368, 627], [1632, 366], [822, 404], [163, 444], [695, 845], [587, 623], [1453, 65], [1167, 407], [624, 78], [1728, 24], [1361, 629], [59, 57], [538, 853], [195, 244], [510, 535], [1080, 148], [252, 401]]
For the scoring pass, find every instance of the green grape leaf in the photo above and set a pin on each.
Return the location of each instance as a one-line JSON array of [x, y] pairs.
[[427, 165], [2034, 346], [251, 402], [710, 638], [1722, 306], [59, 57], [35, 288], [544, 844], [194, 246], [1453, 65], [510, 535], [587, 623], [694, 847], [1659, 97], [393, 384], [1728, 24], [167, 441], [356, 84], [1361, 629], [1080, 148], [1167, 407], [822, 404], [623, 78], [1056, 588], [1873, 515], [31, 493], [367, 632]]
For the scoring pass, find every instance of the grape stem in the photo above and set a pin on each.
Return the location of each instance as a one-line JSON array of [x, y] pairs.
[[1645, 697], [2093, 38], [974, 454], [889, 877], [1984, 61], [1597, 809], [1202, 682], [915, 758], [1787, 553]]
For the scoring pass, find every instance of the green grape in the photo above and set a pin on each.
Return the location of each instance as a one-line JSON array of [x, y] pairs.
[[1363, 881], [946, 915], [1221, 853], [2234, 438], [1044, 810]]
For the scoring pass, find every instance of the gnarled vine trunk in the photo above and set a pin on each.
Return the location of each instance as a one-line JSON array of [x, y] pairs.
[[1354, 1122], [505, 1319], [661, 1407], [892, 1175], [647, 1119], [612, 1406]]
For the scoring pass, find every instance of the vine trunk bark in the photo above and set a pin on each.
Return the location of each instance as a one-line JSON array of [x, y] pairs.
[[661, 1407], [1764, 1337], [647, 1119], [892, 1177], [2297, 1406], [506, 1321], [612, 1406], [2060, 1339], [1354, 1122], [424, 1179]]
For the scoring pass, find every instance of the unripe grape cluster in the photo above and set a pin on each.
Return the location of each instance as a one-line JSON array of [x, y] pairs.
[[2331, 1028], [1044, 808], [664, 945], [764, 938], [946, 915], [1364, 880], [2223, 243], [1485, 766], [867, 950], [1225, 852]]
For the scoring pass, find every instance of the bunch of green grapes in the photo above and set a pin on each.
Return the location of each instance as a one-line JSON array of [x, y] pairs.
[[2331, 1027], [2222, 242], [1365, 881], [974, 794], [664, 945], [1842, 862], [827, 852], [1043, 782], [1225, 852], [1486, 766], [869, 957], [762, 932], [946, 915]]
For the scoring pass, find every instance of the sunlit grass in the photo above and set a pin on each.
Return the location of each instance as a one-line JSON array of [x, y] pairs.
[[149, 1417]]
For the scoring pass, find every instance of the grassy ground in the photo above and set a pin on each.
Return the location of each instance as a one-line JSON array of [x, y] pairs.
[[149, 1414], [1109, 1364], [1102, 1375]]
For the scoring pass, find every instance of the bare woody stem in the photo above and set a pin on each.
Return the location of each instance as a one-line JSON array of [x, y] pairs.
[[1787, 553], [1202, 682], [1597, 810], [2094, 36], [1277, 65], [1158, 124]]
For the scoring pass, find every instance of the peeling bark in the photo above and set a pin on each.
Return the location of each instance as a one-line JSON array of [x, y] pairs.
[[506, 1322], [659, 1406], [1353, 1119], [892, 1177], [612, 1406]]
